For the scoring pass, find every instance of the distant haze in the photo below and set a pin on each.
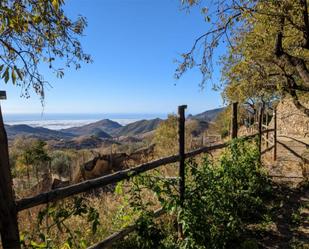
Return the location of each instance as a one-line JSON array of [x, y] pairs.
[[62, 121]]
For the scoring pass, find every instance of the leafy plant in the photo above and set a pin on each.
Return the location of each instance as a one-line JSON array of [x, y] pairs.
[[220, 200], [55, 217], [36, 33]]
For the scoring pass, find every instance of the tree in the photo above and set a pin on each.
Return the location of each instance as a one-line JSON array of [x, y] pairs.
[[166, 136], [21, 156], [41, 159], [268, 45], [27, 159], [61, 163], [34, 33]]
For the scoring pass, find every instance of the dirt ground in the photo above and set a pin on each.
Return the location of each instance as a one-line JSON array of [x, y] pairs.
[[288, 225]]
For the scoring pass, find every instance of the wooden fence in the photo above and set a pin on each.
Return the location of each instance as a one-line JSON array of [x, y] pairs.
[[264, 129], [9, 207]]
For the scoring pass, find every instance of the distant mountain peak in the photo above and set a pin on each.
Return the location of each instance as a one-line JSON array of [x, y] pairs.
[[105, 125]]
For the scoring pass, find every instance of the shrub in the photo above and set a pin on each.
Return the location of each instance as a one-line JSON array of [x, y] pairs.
[[220, 200]]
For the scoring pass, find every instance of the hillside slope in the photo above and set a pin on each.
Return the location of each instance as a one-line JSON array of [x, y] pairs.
[[207, 116], [138, 127], [101, 128], [37, 132]]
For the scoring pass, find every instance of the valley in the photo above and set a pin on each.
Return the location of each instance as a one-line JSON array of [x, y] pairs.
[[105, 132]]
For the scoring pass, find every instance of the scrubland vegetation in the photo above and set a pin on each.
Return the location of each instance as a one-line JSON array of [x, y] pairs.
[[227, 193], [229, 200], [222, 197]]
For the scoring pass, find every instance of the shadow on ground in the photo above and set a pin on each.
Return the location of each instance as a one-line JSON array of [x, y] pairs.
[[287, 222]]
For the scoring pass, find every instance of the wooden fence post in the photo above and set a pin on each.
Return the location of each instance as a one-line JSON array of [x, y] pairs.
[[275, 134], [234, 121], [261, 112], [181, 140], [267, 134], [8, 212]]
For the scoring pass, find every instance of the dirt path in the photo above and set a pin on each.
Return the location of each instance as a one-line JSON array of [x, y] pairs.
[[288, 226], [292, 162]]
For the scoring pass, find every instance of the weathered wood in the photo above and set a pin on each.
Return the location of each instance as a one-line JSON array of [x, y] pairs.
[[2, 94], [268, 141], [110, 240], [267, 134], [84, 186], [205, 150], [296, 140], [261, 112], [267, 149], [275, 134], [8, 213], [268, 130], [181, 143], [305, 160], [234, 121]]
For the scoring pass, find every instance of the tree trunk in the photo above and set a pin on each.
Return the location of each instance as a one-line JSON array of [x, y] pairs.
[[8, 212]]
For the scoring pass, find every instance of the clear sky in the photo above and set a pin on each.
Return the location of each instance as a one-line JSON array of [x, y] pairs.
[[133, 44]]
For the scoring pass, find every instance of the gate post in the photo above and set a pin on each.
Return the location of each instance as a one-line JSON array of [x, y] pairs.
[[261, 112], [181, 141], [234, 121], [267, 134], [8, 212], [275, 134]]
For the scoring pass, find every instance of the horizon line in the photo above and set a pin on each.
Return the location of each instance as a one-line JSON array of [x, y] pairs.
[[104, 113]]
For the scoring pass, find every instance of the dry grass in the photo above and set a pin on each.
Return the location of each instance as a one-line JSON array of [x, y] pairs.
[[114, 209]]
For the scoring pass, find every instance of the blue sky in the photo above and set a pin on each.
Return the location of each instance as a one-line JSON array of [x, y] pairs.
[[133, 44]]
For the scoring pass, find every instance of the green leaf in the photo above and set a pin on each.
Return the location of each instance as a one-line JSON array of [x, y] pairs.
[[19, 73], [13, 75], [6, 75], [66, 246], [118, 189]]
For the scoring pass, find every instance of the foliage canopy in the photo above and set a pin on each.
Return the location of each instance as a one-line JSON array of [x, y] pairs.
[[34, 34], [268, 44]]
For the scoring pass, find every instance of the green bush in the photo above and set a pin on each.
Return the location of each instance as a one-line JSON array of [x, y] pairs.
[[224, 133], [221, 198]]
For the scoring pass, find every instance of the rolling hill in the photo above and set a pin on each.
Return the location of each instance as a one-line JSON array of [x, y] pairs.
[[82, 142], [207, 116], [107, 129], [102, 128], [138, 127], [37, 132]]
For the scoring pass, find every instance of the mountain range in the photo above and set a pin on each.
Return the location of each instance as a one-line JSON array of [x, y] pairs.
[[103, 130]]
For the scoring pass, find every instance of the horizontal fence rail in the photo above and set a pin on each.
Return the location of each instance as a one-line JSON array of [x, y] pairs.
[[267, 149], [305, 160], [106, 243], [84, 186], [296, 140], [102, 181]]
